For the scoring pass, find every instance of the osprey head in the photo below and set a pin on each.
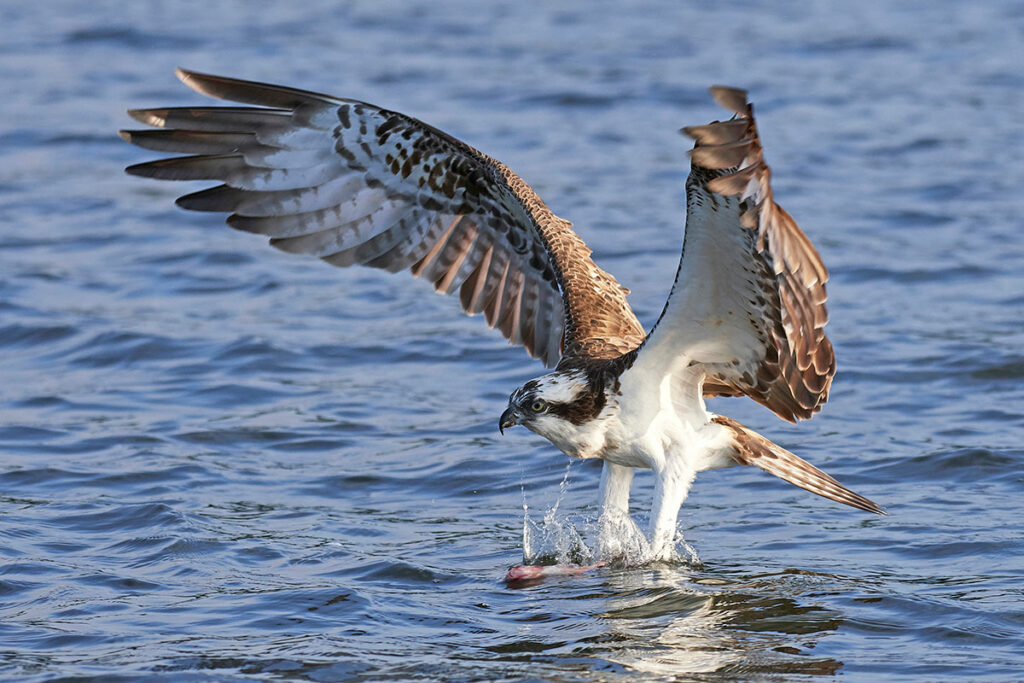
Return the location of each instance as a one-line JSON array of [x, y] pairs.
[[557, 406]]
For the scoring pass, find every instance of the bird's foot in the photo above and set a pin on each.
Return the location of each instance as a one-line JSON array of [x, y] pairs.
[[675, 551], [620, 541]]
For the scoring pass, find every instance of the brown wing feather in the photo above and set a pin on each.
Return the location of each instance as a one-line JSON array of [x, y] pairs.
[[355, 184], [795, 373], [750, 448]]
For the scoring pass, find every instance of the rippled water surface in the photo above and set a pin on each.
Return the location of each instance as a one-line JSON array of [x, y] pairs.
[[220, 462]]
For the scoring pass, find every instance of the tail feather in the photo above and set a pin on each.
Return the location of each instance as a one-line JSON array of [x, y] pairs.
[[753, 449]]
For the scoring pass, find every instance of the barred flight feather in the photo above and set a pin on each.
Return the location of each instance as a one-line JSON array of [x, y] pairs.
[[353, 184]]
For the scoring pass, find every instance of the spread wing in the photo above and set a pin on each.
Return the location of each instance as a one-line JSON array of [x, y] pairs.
[[353, 184], [748, 303]]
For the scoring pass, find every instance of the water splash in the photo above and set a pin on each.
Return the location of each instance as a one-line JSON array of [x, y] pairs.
[[553, 540], [620, 541]]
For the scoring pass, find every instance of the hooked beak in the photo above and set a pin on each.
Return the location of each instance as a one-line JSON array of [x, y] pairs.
[[509, 418]]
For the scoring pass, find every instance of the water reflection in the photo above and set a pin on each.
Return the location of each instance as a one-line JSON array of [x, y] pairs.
[[670, 621]]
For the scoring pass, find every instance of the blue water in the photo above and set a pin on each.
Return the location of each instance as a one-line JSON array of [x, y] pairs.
[[219, 462]]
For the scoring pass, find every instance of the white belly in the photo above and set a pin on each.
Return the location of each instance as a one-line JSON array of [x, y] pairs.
[[652, 424], [649, 444]]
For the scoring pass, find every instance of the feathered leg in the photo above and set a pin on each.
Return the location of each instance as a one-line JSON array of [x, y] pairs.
[[672, 485], [618, 534]]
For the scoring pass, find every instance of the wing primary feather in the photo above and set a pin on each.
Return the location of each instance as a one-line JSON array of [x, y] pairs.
[[189, 142], [719, 132], [217, 119], [198, 167], [220, 198], [725, 156], [250, 92], [733, 99]]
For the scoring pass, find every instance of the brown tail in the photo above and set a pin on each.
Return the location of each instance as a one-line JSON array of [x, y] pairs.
[[754, 449]]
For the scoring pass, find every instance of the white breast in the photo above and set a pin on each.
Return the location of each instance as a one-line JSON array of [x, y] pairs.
[[663, 416]]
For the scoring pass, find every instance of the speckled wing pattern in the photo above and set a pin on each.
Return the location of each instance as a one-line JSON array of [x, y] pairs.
[[352, 183], [748, 303]]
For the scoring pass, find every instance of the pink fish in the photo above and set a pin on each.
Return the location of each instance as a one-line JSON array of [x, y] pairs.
[[533, 572]]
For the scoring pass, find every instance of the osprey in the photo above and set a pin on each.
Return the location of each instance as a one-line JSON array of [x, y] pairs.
[[352, 183]]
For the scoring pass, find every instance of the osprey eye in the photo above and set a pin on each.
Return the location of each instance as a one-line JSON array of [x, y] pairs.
[[538, 405]]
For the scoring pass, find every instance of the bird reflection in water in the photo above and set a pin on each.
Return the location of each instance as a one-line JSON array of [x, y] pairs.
[[671, 621]]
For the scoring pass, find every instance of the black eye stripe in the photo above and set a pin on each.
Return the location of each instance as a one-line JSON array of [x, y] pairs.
[[585, 407]]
